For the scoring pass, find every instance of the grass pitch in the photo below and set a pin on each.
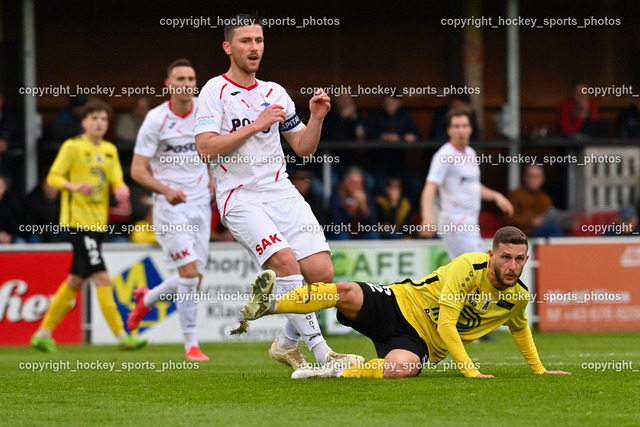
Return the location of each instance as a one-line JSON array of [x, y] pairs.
[[241, 386]]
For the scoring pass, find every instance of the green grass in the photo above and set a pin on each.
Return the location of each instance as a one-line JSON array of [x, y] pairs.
[[241, 386]]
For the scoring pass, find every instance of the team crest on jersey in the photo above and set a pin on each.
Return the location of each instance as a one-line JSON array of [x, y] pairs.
[[265, 103], [99, 158]]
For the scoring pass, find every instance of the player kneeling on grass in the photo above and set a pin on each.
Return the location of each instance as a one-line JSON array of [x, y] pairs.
[[412, 323]]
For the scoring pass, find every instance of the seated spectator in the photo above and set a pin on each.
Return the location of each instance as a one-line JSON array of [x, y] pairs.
[[392, 122], [456, 103], [393, 209], [128, 124], [626, 224], [9, 213], [301, 179], [343, 122], [628, 123], [351, 210], [532, 207], [42, 207], [577, 112]]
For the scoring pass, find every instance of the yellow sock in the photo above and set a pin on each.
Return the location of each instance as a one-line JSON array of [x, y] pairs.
[[61, 303], [374, 368], [308, 299], [109, 309]]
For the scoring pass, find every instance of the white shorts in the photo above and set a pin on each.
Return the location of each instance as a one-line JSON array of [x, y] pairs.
[[265, 228], [183, 232], [462, 242]]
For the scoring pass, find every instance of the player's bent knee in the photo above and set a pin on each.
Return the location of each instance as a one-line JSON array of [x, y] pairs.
[[284, 263], [401, 364]]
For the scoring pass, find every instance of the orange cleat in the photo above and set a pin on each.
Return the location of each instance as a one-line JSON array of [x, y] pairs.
[[195, 354], [135, 317]]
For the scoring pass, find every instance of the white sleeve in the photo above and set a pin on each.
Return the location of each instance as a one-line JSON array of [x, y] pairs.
[[292, 122], [438, 168], [148, 137], [208, 111]]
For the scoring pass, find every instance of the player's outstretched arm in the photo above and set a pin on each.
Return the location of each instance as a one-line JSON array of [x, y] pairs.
[[305, 141], [493, 196], [426, 209], [211, 145], [526, 345], [449, 334]]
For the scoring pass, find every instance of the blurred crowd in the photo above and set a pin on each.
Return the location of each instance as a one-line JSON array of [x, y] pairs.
[[375, 194]]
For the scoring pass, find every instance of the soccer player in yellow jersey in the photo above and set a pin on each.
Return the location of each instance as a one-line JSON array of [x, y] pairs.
[[413, 323], [86, 170]]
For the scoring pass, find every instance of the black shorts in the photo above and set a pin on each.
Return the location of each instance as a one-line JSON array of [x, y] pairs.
[[87, 253], [381, 320]]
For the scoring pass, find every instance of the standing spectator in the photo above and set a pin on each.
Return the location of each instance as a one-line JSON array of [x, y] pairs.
[[530, 203], [391, 122], [67, 123], [577, 111], [352, 208], [393, 208], [626, 223]]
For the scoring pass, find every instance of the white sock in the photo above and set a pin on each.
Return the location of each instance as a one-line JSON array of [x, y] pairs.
[[306, 325], [321, 350], [289, 337], [45, 333], [187, 303], [164, 289]]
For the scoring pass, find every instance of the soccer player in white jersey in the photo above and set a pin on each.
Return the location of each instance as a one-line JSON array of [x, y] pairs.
[[238, 125], [166, 161], [455, 175]]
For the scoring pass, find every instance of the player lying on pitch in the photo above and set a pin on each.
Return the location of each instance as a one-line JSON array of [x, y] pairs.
[[413, 323]]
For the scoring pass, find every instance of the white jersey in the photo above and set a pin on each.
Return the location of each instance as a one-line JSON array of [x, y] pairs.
[[168, 139], [257, 169], [458, 177]]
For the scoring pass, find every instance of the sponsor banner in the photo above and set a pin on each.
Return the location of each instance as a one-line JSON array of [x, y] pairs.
[[589, 286], [28, 281], [222, 294]]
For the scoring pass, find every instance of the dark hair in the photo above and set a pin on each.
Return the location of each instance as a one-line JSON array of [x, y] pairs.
[[182, 62], [93, 106], [457, 113], [240, 20], [509, 235]]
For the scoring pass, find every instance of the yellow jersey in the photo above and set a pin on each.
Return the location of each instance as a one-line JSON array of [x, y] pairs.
[[81, 161], [464, 286]]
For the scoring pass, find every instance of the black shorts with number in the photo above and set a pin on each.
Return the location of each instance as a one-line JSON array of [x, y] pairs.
[[381, 320], [87, 253]]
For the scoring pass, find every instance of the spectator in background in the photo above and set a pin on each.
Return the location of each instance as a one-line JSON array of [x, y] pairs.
[[393, 208], [391, 122], [577, 112], [10, 141], [67, 123], [9, 213], [42, 207], [343, 122], [143, 230], [351, 209], [530, 204], [301, 179], [456, 102], [626, 223], [128, 124], [628, 123]]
